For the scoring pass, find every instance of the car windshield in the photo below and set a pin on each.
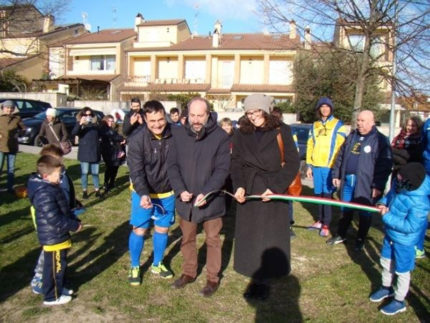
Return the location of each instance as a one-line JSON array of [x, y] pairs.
[[40, 116]]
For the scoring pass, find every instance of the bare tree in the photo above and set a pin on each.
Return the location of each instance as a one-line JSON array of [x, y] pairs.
[[26, 19], [406, 25]]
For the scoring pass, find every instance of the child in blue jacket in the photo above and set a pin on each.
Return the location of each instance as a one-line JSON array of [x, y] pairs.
[[404, 211]]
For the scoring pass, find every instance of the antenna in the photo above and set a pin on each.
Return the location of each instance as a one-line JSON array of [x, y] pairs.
[[196, 18], [85, 20], [114, 16]]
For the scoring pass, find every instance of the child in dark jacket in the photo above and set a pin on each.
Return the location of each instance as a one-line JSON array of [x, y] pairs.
[[404, 211], [66, 185], [54, 221]]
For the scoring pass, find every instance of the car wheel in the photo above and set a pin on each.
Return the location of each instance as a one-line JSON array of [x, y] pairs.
[[38, 141]]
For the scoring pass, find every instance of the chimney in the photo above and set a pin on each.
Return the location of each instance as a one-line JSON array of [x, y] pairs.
[[216, 38], [308, 39], [293, 30], [138, 20], [48, 23]]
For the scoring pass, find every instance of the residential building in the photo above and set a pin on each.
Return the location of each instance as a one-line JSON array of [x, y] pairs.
[[25, 34], [167, 59], [92, 65]]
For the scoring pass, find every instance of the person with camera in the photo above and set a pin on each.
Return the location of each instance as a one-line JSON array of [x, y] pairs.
[[89, 153], [134, 118]]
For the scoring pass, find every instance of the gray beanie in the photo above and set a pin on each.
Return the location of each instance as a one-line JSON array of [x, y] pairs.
[[8, 103], [258, 102]]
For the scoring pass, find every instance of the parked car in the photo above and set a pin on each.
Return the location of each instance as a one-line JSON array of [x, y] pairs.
[[302, 131], [66, 115], [28, 108]]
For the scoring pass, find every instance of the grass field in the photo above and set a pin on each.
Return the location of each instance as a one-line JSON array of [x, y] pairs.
[[327, 284]]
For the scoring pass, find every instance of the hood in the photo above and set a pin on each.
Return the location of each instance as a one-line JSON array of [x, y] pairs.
[[210, 126], [324, 100], [424, 189], [35, 182]]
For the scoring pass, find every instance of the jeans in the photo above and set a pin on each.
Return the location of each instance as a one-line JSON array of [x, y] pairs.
[[94, 172], [10, 160]]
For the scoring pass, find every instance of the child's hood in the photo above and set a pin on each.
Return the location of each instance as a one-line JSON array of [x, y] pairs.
[[35, 183], [424, 188]]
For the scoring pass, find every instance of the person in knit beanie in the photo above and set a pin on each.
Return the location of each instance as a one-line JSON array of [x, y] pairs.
[[404, 214]]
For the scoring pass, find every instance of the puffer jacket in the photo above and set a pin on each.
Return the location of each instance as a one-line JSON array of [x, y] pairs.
[[199, 164], [407, 213], [147, 161], [89, 140], [9, 126], [53, 216]]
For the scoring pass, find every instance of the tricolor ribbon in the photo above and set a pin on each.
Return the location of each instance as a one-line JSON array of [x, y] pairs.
[[303, 199]]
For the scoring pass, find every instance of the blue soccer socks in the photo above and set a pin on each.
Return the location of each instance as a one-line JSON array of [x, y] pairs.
[[160, 244], [135, 245]]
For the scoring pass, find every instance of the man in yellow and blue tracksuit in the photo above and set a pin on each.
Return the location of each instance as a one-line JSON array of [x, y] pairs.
[[325, 139]]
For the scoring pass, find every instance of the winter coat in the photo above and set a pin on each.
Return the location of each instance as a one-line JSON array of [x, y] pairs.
[[59, 129], [199, 164], [53, 216], [375, 163], [407, 213], [426, 145], [127, 128], [9, 126], [110, 145], [89, 140], [147, 161], [262, 241]]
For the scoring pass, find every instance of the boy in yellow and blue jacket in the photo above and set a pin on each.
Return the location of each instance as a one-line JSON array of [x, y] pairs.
[[325, 139]]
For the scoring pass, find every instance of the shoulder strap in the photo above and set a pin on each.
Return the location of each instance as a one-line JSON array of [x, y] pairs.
[[281, 147], [53, 132]]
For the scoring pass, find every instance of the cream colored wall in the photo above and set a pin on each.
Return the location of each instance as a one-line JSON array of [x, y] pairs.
[[167, 68], [81, 55], [218, 66], [56, 62], [25, 46], [156, 36], [252, 70]]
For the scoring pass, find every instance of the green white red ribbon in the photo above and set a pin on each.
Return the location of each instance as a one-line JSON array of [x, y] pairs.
[[303, 199]]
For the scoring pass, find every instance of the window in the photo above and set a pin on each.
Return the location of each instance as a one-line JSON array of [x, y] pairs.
[[356, 42], [102, 63]]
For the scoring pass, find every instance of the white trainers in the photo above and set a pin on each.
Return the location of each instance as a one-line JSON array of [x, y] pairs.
[[63, 299]]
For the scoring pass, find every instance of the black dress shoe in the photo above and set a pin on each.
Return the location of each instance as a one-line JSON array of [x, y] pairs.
[[209, 289], [182, 281], [85, 195]]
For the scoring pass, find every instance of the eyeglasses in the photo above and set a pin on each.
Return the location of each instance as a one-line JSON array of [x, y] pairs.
[[109, 120], [253, 113], [88, 114]]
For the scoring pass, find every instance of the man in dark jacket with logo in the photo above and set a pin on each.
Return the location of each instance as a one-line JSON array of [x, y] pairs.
[[199, 162], [134, 118], [361, 170], [152, 197]]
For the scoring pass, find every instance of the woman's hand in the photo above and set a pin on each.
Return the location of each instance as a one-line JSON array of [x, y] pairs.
[[266, 193], [240, 195]]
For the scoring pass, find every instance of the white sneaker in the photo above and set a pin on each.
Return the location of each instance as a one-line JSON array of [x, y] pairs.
[[63, 299]]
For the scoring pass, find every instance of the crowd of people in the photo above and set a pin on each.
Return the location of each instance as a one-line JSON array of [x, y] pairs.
[[179, 164]]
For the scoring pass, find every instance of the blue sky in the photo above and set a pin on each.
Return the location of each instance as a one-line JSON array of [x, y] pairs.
[[235, 15]]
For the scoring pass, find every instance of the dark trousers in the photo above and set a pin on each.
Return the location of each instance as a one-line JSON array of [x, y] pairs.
[[212, 229], [365, 220], [54, 270], [110, 175], [324, 211]]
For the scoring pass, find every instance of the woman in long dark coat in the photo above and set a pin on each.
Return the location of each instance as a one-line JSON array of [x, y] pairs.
[[262, 245], [112, 151]]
